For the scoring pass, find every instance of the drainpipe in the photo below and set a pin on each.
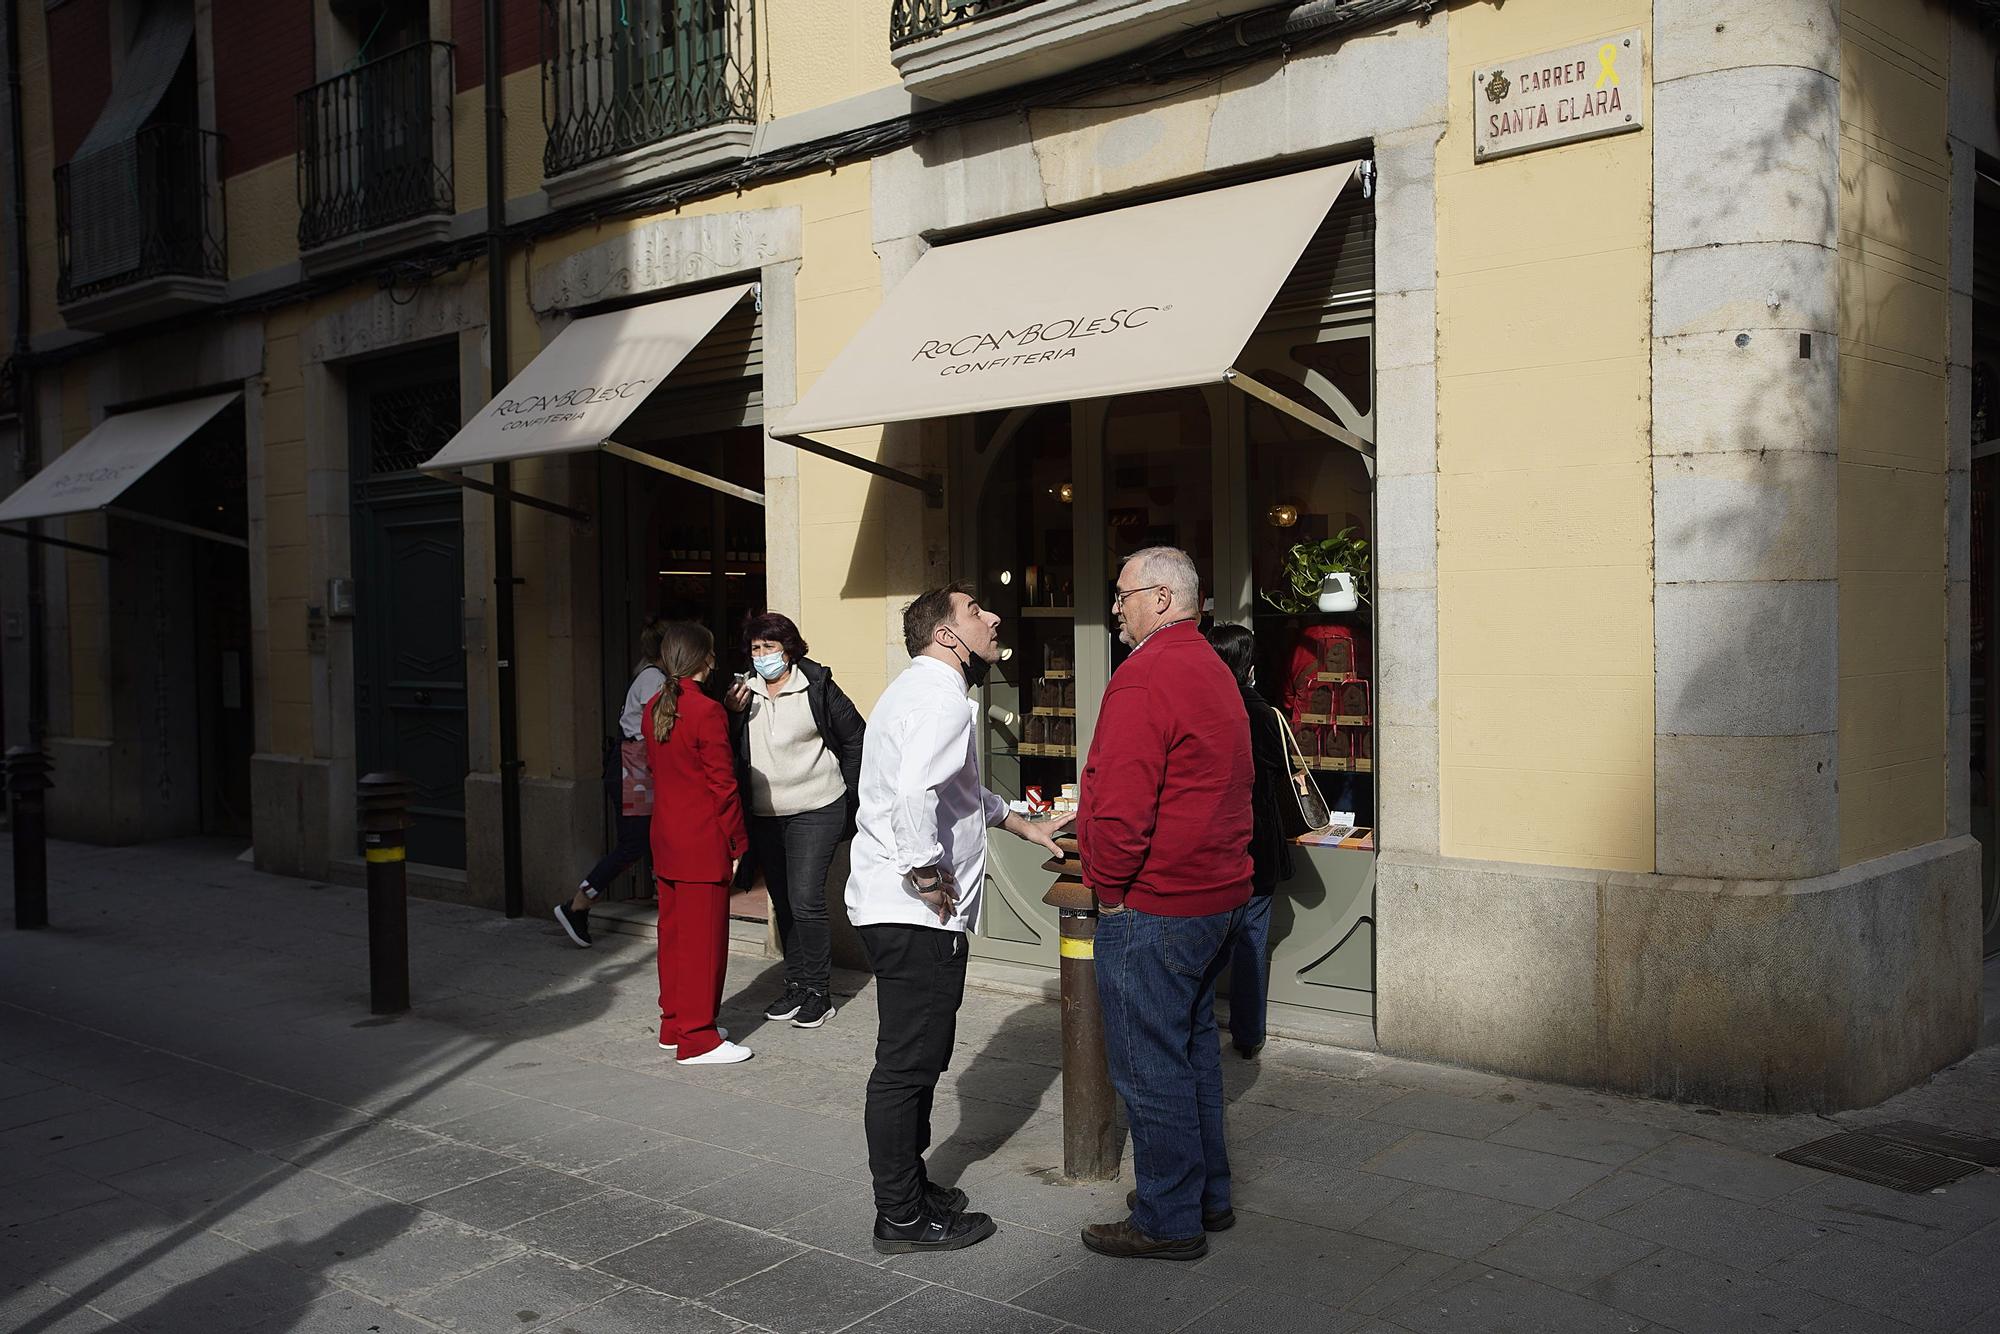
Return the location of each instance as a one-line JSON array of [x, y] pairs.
[[24, 385], [503, 501]]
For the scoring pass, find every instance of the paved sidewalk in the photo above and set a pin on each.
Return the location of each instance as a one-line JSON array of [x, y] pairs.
[[202, 1130]]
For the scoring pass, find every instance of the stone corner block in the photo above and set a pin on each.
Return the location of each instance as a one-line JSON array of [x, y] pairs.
[[1744, 517], [1746, 392], [1746, 808], [1746, 154], [1748, 659]]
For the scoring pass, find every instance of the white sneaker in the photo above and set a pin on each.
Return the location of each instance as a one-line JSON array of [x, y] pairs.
[[729, 1053], [720, 1032]]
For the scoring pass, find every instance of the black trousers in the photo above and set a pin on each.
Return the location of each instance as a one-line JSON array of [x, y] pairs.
[[795, 851], [919, 983], [634, 832]]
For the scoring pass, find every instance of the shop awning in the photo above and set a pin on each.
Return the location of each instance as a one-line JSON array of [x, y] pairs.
[[1154, 296], [581, 388], [94, 472]]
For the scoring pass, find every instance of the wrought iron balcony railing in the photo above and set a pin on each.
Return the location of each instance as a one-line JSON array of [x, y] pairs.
[[621, 74], [914, 20], [150, 207], [375, 145]]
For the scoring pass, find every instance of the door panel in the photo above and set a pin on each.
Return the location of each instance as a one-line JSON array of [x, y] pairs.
[[409, 564]]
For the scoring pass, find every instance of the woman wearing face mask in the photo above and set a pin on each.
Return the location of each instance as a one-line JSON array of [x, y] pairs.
[[634, 790], [798, 761], [1270, 852], [698, 837]]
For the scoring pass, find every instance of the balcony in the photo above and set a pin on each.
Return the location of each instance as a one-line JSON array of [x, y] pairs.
[[139, 229], [375, 157], [915, 20], [638, 89], [949, 49]]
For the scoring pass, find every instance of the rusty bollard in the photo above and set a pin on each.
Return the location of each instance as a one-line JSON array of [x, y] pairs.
[[385, 815], [27, 813], [1090, 1140]]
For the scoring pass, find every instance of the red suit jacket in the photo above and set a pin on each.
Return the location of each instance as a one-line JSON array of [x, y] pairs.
[[697, 817]]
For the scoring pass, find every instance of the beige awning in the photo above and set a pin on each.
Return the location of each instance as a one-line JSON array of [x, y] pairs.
[[579, 390], [1154, 296], [94, 472]]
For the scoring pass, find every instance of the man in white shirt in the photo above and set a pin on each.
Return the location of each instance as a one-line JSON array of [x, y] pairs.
[[913, 891]]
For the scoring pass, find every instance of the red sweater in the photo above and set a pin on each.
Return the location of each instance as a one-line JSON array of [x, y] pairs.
[[1165, 820]]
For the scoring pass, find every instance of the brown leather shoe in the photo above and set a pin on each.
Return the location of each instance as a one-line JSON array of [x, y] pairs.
[[1123, 1241], [1219, 1222]]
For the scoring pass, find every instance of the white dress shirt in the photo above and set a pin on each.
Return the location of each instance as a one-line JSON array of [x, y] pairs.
[[921, 802]]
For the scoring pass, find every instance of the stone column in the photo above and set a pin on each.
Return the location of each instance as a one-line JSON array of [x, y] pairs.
[[1746, 133]]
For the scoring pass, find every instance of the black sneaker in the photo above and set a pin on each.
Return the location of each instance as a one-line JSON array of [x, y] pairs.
[[575, 924], [932, 1230], [788, 1002], [817, 1009], [947, 1198]]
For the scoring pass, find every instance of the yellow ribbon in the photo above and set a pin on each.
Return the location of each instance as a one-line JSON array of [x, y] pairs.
[[1607, 64]]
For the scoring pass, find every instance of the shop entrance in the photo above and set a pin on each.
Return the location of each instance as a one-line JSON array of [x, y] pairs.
[[409, 572], [675, 549]]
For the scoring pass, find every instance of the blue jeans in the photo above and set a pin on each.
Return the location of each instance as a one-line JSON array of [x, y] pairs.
[[1250, 974], [1156, 982]]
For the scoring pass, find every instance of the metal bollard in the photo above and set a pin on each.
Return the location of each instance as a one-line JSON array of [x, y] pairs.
[[1090, 1140], [27, 812], [385, 814]]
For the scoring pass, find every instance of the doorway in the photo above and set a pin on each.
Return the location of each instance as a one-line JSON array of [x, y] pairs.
[[409, 574]]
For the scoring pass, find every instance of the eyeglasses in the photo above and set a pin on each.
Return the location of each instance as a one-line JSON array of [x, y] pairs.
[[1118, 601]]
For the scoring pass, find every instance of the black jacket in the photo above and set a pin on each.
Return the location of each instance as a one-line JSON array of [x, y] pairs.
[[1270, 851], [840, 726]]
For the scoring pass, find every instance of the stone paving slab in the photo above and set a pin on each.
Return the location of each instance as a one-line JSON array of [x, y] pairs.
[[212, 1134]]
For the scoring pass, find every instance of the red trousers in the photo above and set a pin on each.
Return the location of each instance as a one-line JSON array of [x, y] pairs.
[[694, 943]]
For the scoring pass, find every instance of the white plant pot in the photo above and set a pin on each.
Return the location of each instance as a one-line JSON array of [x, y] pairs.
[[1336, 593]]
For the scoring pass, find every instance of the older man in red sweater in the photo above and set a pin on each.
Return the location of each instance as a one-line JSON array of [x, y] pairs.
[[1165, 831]]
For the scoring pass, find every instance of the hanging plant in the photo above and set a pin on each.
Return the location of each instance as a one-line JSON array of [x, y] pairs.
[[1309, 563]]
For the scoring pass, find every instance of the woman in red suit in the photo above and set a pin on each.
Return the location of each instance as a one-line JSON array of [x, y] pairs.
[[698, 835]]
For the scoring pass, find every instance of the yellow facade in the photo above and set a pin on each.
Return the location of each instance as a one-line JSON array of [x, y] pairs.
[[1544, 490], [1894, 204]]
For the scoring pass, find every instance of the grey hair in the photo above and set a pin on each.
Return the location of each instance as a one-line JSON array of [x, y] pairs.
[[1174, 570]]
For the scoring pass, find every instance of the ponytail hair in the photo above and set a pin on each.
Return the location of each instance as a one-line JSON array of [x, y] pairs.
[[685, 648]]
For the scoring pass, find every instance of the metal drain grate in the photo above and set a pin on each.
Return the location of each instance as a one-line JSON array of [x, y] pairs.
[[1881, 1161], [1938, 1139]]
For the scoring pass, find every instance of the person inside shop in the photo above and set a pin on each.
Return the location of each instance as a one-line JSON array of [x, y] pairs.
[[1164, 829], [630, 782], [1270, 850], [797, 738], [913, 891], [698, 836]]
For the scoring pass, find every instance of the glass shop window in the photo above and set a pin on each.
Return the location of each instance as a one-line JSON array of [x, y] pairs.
[[1310, 540]]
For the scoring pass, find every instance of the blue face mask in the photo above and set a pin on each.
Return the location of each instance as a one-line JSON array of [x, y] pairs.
[[770, 666]]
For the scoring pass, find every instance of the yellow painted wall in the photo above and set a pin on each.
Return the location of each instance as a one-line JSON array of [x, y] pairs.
[[816, 52], [1894, 197], [1545, 618], [261, 208]]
